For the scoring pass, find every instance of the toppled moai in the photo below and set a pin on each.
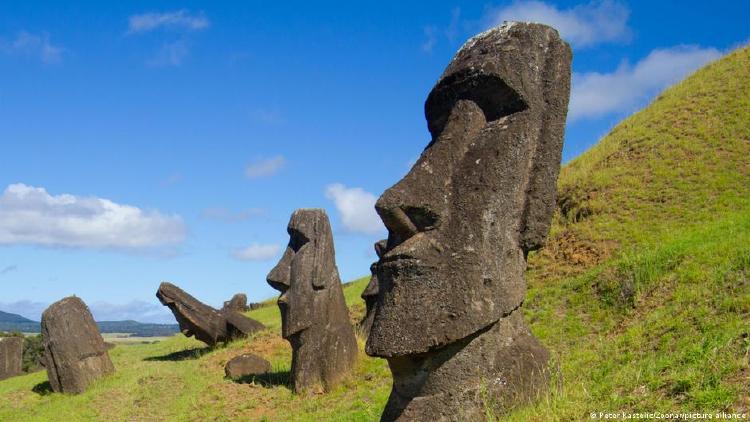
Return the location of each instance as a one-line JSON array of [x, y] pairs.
[[207, 324], [237, 303], [11, 356], [370, 294], [246, 365], [314, 316], [74, 351], [448, 314]]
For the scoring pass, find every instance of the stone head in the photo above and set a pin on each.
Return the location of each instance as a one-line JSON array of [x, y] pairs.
[[481, 195], [306, 275]]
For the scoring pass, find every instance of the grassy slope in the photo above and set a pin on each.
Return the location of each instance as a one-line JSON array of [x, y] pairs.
[[181, 379], [643, 291], [642, 294], [681, 161]]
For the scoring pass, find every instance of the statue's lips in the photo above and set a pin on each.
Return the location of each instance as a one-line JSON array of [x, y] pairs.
[[396, 270], [286, 332], [295, 336], [398, 259], [298, 331]]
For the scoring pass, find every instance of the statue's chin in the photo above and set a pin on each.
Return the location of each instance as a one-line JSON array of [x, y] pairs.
[[290, 333], [419, 310]]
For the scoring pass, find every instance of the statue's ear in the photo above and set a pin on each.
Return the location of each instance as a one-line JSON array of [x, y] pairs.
[[323, 259], [545, 167], [320, 278]]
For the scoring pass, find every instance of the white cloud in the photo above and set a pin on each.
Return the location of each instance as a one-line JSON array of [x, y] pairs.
[[228, 216], [596, 94], [256, 252], [265, 167], [582, 26], [33, 45], [180, 19], [170, 54], [356, 207], [30, 215]]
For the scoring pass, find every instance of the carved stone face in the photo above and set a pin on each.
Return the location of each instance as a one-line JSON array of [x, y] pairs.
[[478, 199], [305, 271]]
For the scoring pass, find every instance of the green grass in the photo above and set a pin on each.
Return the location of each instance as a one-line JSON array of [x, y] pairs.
[[642, 294], [660, 329], [681, 161], [181, 379]]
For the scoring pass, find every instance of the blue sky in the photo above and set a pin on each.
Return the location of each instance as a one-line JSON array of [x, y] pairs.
[[152, 141]]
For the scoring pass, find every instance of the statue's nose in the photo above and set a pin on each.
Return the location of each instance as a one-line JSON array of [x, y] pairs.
[[278, 278], [419, 202], [400, 226]]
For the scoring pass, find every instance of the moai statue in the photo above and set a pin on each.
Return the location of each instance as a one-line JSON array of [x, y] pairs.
[[314, 317], [74, 351], [448, 314], [237, 303], [11, 356], [370, 294], [207, 324]]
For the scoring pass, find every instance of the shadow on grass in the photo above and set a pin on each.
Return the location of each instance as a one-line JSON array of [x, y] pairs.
[[43, 388], [268, 380], [188, 354]]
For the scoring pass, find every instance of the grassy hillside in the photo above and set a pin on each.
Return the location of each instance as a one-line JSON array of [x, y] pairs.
[[642, 294], [643, 291], [182, 379], [682, 161]]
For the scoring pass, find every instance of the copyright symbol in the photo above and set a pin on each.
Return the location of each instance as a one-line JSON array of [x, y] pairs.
[[593, 415]]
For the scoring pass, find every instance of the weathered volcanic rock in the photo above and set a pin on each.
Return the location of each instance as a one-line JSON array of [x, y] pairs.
[[11, 356], [314, 317], [237, 303], [207, 324], [245, 366], [447, 315], [74, 352]]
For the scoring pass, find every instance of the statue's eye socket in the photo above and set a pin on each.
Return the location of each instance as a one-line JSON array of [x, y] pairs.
[[297, 240], [489, 92]]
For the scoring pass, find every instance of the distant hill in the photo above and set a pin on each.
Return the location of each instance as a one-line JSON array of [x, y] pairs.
[[7, 317], [13, 322]]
